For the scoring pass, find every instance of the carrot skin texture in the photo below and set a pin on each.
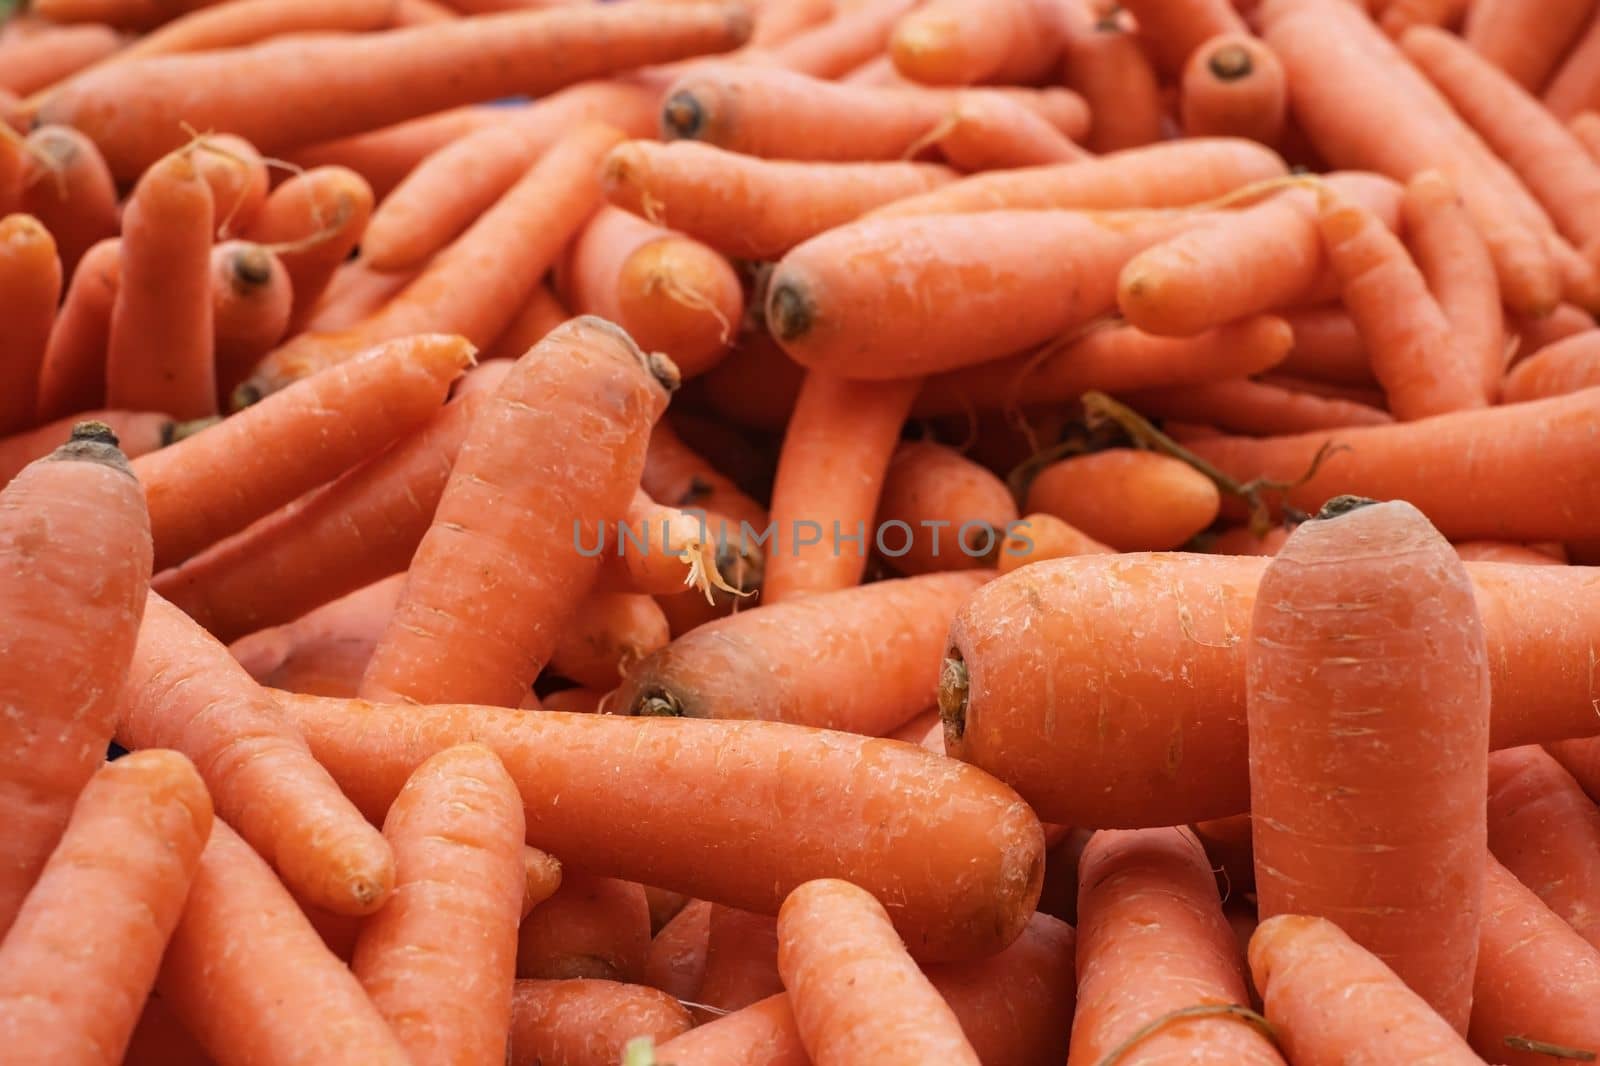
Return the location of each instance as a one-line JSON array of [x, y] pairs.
[[1234, 86], [1108, 66], [30, 288], [320, 215], [928, 484], [73, 195], [1527, 45], [591, 927], [583, 1022], [1566, 366], [72, 377], [1131, 500], [1460, 273], [137, 432], [962, 42]]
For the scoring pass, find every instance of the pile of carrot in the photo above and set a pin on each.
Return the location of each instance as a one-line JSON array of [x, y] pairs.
[[799, 532]]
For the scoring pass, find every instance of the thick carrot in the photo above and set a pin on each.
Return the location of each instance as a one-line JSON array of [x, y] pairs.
[[83, 952], [965, 42], [137, 433], [386, 155], [958, 861], [677, 958], [1233, 86], [83, 583], [1564, 367], [251, 299], [325, 651], [30, 288], [457, 183], [929, 486], [216, 483], [1255, 407], [605, 636], [65, 185], [1131, 500], [587, 1023], [275, 94], [1107, 66], [312, 221], [596, 927], [502, 523], [50, 54], [1152, 940], [543, 312], [855, 35], [159, 348], [1332, 1003], [362, 527], [476, 286], [185, 691], [1037, 537], [247, 974], [987, 131], [1174, 29], [679, 476], [741, 960], [439, 959]]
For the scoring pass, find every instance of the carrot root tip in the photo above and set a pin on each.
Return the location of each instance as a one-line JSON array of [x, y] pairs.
[[251, 267], [1231, 62], [173, 432], [789, 313], [93, 442], [682, 117], [664, 370], [1343, 505], [658, 703], [245, 395], [954, 685]]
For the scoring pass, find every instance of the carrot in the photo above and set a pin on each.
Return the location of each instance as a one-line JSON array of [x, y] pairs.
[[931, 487], [447, 190], [386, 155], [680, 477], [741, 960], [30, 288], [1529, 49], [66, 186], [444, 640], [1566, 366], [204, 488], [541, 876], [987, 131], [779, 20], [248, 976], [1175, 29], [664, 906], [1256, 407], [1327, 345], [1494, 551], [965, 42], [677, 958], [1330, 1001], [137, 433], [13, 158], [88, 578], [439, 959], [1173, 174], [782, 115], [290, 81], [587, 1023], [476, 286], [663, 551], [123, 14], [596, 927], [856, 995], [1233, 86], [543, 312], [748, 207], [1533, 334], [1242, 540], [576, 771], [605, 636], [53, 53], [1039, 536], [325, 651], [235, 24], [84, 949], [762, 1034], [1547, 832], [362, 527], [159, 347], [1106, 65], [160, 1040], [251, 300], [313, 221], [1132, 500], [1152, 940], [670, 292], [1585, 126], [756, 386], [1398, 16]]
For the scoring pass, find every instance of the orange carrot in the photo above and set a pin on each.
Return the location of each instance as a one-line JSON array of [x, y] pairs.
[[830, 49], [289, 82], [84, 950], [237, 175], [1533, 334], [541, 877], [65, 185], [159, 348], [30, 288], [1175, 29], [1107, 66], [677, 958], [123, 14], [1233, 86], [780, 20], [1327, 346], [1037, 537], [324, 651], [1242, 540], [438, 960], [987, 131], [660, 551], [965, 42], [1527, 45], [249, 977], [605, 636], [756, 386], [680, 477], [1495, 551], [386, 155], [741, 960], [85, 582], [235, 24], [1398, 16], [596, 927], [51, 54], [1132, 500], [137, 433], [543, 312], [1585, 126], [216, 483], [1255, 407], [313, 220], [587, 1023], [930, 487], [1566, 366], [251, 300]]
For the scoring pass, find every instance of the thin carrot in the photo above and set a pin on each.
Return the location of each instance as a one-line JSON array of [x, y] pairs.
[[1037, 537], [853, 36], [83, 952], [53, 53], [313, 220], [274, 94], [595, 927], [325, 650], [438, 960], [543, 312], [607, 635], [1256, 407], [235, 24], [1107, 66], [965, 42], [88, 578], [247, 974], [1528, 45], [587, 1023], [1233, 86], [1132, 500], [677, 958], [987, 131], [65, 185], [159, 349], [1175, 29], [1564, 367], [1533, 334], [386, 155], [30, 288], [137, 433], [252, 297], [929, 487]]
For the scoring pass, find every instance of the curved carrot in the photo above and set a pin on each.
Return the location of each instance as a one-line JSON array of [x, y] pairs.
[[930, 487], [853, 36], [543, 312], [274, 94], [30, 288], [605, 636], [251, 299], [591, 927], [964, 42], [65, 185], [84, 950], [1233, 86], [1175, 29], [85, 586], [1038, 536], [137, 433], [1566, 366], [247, 974], [1106, 64], [587, 1023], [382, 157], [439, 958], [312, 221], [987, 131], [1132, 500], [1257, 407], [159, 350], [677, 958], [323, 651], [52, 53]]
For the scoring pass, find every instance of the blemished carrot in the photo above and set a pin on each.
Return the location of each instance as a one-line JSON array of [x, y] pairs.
[[252, 298], [856, 995], [929, 486], [1332, 1003], [1107, 66], [987, 131], [1152, 939], [670, 292], [1566, 366], [778, 114], [596, 927], [1527, 45], [586, 1022], [52, 53], [741, 960], [958, 865], [543, 312], [362, 527], [1174, 29], [677, 958], [966, 42], [325, 651], [1256, 407], [1132, 500], [65, 185], [312, 221], [455, 184], [501, 524], [160, 1039], [1535, 977], [476, 286], [749, 207], [1404, 750], [1547, 832], [159, 347], [679, 476], [137, 433], [1117, 359], [30, 288], [90, 574], [855, 35], [216, 483], [438, 960], [83, 952], [246, 973], [440, 66], [1233, 86], [605, 636], [1039, 536], [386, 155]]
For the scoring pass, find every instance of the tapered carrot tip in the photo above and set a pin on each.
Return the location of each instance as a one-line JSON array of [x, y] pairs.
[[1343, 505], [682, 116], [93, 442], [251, 266], [621, 166], [789, 311], [953, 687], [173, 432], [660, 366], [1231, 62]]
